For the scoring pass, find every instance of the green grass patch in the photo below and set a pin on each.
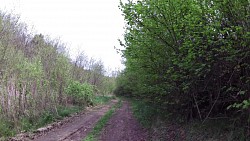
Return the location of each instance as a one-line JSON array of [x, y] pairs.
[[67, 111], [144, 112], [102, 99], [9, 128], [6, 129], [101, 123], [48, 116]]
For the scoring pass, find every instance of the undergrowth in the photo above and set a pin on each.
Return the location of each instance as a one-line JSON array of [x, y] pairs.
[[50, 116], [144, 112], [6, 128], [164, 126], [31, 123], [101, 123], [102, 99]]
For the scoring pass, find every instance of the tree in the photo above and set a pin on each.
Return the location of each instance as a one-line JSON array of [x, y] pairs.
[[187, 55]]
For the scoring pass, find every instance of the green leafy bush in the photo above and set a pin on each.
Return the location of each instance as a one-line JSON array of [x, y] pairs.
[[82, 94], [189, 56]]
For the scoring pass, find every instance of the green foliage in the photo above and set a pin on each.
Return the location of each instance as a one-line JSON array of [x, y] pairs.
[[26, 124], [102, 99], [189, 56], [6, 128], [245, 104], [67, 111], [82, 93], [49, 116], [46, 118], [144, 112], [31, 123], [108, 85], [35, 72]]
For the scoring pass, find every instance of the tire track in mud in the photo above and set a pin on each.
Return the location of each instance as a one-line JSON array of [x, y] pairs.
[[79, 128], [123, 126]]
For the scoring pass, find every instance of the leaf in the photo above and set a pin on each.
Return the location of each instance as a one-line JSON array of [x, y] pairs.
[[241, 92], [229, 107]]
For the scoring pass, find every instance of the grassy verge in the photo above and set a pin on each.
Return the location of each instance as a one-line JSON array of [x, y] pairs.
[[144, 112], [102, 99], [6, 128], [31, 123], [49, 117], [101, 123], [27, 124], [161, 124], [9, 128]]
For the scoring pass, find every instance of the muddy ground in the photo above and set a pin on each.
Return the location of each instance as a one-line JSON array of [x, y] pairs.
[[121, 127]]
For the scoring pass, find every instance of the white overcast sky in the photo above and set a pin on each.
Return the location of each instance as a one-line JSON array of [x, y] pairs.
[[92, 26]]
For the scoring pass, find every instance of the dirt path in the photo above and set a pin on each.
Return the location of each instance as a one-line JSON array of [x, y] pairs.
[[78, 128], [123, 127]]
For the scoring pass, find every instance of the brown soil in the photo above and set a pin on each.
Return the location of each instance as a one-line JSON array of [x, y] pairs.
[[123, 127], [77, 129], [74, 128]]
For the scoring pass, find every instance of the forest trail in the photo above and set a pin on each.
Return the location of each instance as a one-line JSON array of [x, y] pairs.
[[122, 126], [79, 126]]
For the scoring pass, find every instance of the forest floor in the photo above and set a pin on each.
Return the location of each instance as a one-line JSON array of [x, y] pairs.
[[122, 126]]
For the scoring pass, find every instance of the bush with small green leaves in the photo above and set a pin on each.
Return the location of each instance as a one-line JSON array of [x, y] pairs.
[[82, 94]]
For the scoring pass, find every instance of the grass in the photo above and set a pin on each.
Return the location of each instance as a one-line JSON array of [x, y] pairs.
[[219, 129], [102, 99], [143, 112], [49, 117], [160, 122], [101, 123], [8, 128]]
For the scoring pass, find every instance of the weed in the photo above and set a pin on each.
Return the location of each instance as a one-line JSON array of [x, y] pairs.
[[46, 118], [6, 129], [31, 123], [66, 111], [102, 99], [144, 112], [26, 124]]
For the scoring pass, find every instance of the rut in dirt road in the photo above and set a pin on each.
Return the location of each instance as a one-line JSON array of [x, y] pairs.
[[123, 126], [77, 129]]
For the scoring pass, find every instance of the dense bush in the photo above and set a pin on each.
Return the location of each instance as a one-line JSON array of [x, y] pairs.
[[82, 94], [190, 56]]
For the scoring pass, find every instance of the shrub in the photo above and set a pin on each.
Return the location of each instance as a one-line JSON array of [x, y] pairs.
[[82, 94]]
